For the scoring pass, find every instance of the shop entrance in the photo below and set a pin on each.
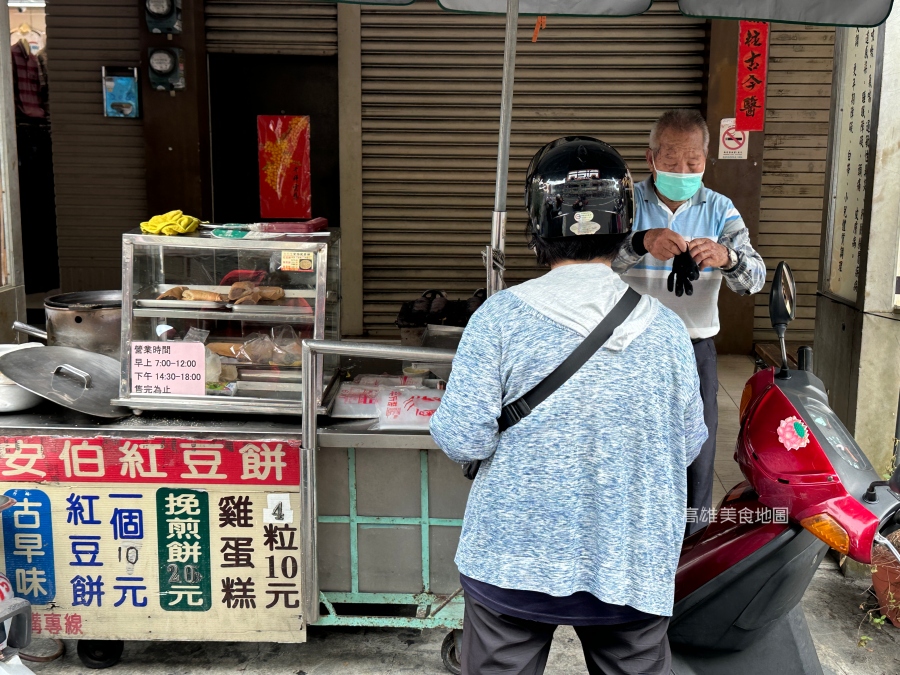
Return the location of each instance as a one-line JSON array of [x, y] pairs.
[[243, 86], [28, 44]]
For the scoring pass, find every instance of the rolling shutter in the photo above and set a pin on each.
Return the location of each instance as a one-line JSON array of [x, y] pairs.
[[430, 117], [98, 162], [798, 108], [271, 27]]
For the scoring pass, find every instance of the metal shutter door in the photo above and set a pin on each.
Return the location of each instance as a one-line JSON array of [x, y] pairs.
[[430, 118], [799, 100], [98, 163], [271, 27]]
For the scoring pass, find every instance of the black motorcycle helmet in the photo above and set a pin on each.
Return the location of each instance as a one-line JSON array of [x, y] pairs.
[[576, 186]]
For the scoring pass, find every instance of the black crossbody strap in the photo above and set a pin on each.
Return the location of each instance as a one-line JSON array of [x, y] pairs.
[[522, 407]]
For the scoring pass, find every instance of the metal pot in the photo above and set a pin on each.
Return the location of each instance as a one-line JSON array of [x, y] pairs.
[[90, 320]]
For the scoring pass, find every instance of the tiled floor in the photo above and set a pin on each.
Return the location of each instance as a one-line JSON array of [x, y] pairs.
[[733, 374]]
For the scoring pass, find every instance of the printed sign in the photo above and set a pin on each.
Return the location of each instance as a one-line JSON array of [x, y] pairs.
[[297, 261], [284, 169], [732, 143], [850, 159], [168, 368], [28, 546], [752, 68], [130, 559]]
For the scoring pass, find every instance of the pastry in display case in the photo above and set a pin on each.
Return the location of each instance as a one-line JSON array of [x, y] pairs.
[[215, 324]]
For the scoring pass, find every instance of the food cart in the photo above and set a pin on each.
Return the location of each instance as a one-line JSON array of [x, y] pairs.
[[208, 504]]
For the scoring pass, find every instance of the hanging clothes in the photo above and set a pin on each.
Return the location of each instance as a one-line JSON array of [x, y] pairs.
[[34, 38], [26, 82]]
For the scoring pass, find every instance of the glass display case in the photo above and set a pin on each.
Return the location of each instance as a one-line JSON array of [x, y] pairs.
[[215, 324]]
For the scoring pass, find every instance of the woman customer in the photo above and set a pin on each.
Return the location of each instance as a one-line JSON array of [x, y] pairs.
[[577, 512]]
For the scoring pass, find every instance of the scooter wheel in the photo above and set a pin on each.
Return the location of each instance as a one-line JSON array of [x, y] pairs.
[[449, 655], [100, 654]]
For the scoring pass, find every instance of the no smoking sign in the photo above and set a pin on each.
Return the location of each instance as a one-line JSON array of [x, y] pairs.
[[732, 143]]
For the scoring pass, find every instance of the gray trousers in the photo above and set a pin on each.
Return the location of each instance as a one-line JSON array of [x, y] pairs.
[[702, 472], [495, 644]]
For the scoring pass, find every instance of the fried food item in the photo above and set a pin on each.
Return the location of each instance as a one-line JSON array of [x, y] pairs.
[[227, 349], [271, 293], [173, 293], [240, 289], [251, 299], [203, 296]]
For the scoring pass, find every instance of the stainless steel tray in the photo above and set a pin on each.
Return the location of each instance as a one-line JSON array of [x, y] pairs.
[[287, 310], [244, 387], [273, 374], [180, 304]]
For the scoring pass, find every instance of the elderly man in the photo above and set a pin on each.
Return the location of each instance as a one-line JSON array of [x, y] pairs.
[[676, 214]]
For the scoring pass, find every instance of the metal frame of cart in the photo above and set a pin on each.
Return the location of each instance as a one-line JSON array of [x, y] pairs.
[[431, 610]]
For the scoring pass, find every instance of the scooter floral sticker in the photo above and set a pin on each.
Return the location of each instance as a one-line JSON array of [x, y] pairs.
[[793, 433]]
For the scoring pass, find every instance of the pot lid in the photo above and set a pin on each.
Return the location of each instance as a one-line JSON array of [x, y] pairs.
[[74, 378], [85, 300]]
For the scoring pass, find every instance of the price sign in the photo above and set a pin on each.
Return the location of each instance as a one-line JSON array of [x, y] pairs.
[[176, 368]]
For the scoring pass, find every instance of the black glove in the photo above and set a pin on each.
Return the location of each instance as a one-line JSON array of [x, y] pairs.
[[684, 271]]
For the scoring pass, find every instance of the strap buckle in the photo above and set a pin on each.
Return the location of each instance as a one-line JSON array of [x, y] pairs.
[[514, 412]]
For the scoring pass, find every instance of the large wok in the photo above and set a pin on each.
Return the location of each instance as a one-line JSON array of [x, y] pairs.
[[90, 320]]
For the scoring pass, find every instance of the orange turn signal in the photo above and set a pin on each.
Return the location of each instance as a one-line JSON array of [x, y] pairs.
[[828, 530], [745, 399]]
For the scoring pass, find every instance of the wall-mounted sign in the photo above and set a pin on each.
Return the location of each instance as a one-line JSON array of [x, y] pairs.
[[120, 92], [284, 171], [752, 67], [732, 143], [850, 159]]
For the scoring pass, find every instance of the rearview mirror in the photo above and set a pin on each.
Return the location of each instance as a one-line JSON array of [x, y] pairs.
[[782, 297], [782, 304]]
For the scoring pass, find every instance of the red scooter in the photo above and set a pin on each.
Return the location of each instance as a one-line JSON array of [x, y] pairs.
[[809, 488]]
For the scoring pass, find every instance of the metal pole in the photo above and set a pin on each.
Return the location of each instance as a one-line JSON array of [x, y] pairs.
[[495, 258]]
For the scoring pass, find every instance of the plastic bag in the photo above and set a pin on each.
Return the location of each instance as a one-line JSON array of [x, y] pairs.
[[213, 365], [409, 409], [288, 350], [258, 348], [356, 402]]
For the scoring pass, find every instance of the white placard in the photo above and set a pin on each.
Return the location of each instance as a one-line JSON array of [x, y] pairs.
[[732, 143]]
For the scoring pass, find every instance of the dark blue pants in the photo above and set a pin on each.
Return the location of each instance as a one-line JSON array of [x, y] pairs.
[[702, 473]]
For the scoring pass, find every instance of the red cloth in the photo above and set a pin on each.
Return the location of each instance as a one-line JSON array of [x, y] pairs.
[[26, 82]]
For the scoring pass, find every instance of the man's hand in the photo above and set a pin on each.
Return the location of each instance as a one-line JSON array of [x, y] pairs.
[[708, 253], [664, 244]]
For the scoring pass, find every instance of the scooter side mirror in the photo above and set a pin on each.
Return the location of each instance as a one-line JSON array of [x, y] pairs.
[[782, 307], [782, 297]]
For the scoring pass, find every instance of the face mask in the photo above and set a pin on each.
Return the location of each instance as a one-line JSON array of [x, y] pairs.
[[679, 187]]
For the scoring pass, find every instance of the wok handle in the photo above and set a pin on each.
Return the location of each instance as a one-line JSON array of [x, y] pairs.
[[65, 368], [20, 327]]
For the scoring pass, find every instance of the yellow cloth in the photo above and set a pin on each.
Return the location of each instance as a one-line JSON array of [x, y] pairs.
[[173, 222]]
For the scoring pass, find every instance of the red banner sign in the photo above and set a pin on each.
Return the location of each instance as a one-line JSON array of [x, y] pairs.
[[752, 68], [284, 172], [171, 461]]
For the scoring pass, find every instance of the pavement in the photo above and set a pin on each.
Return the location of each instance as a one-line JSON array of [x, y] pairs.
[[839, 611]]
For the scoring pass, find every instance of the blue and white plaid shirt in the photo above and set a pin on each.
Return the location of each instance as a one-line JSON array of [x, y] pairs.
[[707, 214]]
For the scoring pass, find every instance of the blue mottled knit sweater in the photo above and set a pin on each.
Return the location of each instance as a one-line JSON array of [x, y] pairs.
[[587, 493]]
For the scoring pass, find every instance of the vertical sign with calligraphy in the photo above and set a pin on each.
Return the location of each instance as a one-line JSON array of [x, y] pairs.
[[752, 67], [850, 161]]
